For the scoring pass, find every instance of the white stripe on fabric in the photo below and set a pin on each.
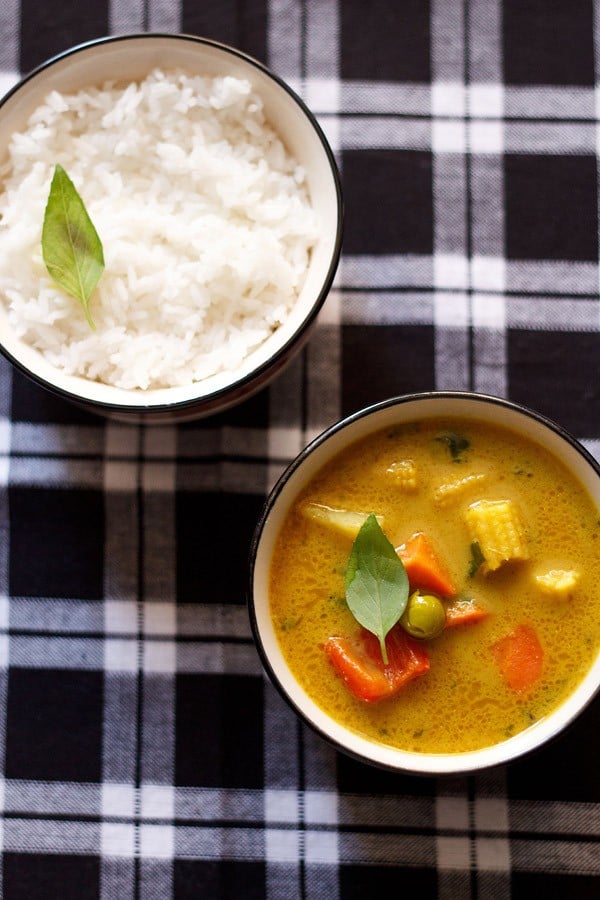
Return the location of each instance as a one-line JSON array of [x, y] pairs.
[[387, 270], [117, 801], [117, 839], [282, 846], [160, 618], [323, 94], [450, 271], [488, 138], [8, 79], [452, 853], [42, 472], [384, 133], [486, 101], [546, 276], [120, 617], [121, 440], [220, 804], [388, 308], [5, 612], [10, 23], [119, 656], [560, 857], [212, 619], [488, 273], [321, 807], [485, 41], [381, 98], [6, 436], [283, 38], [387, 849], [30, 836], [448, 136], [157, 842], [489, 311], [549, 102], [445, 813], [126, 16], [593, 446], [120, 476], [164, 15], [281, 806], [451, 310], [157, 801], [448, 98], [556, 138]]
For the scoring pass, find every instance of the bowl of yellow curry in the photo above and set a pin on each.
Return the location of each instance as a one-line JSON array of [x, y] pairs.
[[425, 582]]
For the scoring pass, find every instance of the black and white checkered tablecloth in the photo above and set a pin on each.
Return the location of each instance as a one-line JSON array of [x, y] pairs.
[[144, 754]]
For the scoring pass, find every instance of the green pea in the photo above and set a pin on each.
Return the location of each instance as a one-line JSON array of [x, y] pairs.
[[424, 616]]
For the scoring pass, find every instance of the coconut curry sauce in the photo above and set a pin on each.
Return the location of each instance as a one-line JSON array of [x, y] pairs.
[[516, 534]]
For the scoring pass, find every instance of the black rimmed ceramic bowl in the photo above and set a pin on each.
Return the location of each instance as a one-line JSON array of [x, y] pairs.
[[130, 58], [389, 415]]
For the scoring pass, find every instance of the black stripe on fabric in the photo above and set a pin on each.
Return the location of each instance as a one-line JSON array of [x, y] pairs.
[[472, 833], [548, 42], [195, 459], [259, 824], [233, 22], [525, 885], [304, 378], [427, 289], [300, 748], [139, 693], [126, 636], [469, 209], [440, 117], [50, 28], [41, 876]]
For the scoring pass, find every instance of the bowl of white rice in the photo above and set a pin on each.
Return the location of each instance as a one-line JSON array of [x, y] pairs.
[[216, 202]]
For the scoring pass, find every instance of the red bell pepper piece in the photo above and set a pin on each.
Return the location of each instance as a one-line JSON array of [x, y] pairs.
[[359, 663]]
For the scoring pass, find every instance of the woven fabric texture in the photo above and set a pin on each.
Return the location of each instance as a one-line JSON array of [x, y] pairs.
[[144, 754]]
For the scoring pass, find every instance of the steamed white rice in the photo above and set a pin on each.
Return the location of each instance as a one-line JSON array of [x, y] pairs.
[[204, 218]]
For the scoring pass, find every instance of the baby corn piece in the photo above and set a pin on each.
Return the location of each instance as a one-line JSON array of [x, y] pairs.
[[345, 521], [404, 474], [496, 526], [453, 490], [559, 582]]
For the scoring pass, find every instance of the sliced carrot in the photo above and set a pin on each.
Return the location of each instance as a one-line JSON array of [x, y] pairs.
[[520, 658], [464, 612], [423, 567], [358, 661]]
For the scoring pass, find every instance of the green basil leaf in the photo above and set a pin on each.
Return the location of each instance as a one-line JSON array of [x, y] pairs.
[[376, 582], [477, 559], [71, 248], [456, 444]]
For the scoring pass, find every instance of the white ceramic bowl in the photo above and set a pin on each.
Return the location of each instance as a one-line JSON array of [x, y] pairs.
[[132, 57], [390, 413]]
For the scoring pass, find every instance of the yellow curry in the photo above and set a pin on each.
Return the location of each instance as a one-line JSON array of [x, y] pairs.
[[516, 615]]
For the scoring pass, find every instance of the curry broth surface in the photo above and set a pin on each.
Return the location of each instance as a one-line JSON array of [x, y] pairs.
[[462, 703]]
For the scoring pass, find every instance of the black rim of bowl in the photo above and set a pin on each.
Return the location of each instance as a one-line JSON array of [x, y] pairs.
[[342, 424], [243, 384]]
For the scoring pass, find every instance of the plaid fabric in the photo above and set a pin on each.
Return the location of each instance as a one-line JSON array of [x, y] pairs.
[[144, 754]]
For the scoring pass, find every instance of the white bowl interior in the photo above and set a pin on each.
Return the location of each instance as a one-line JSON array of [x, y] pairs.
[[408, 410], [133, 58]]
